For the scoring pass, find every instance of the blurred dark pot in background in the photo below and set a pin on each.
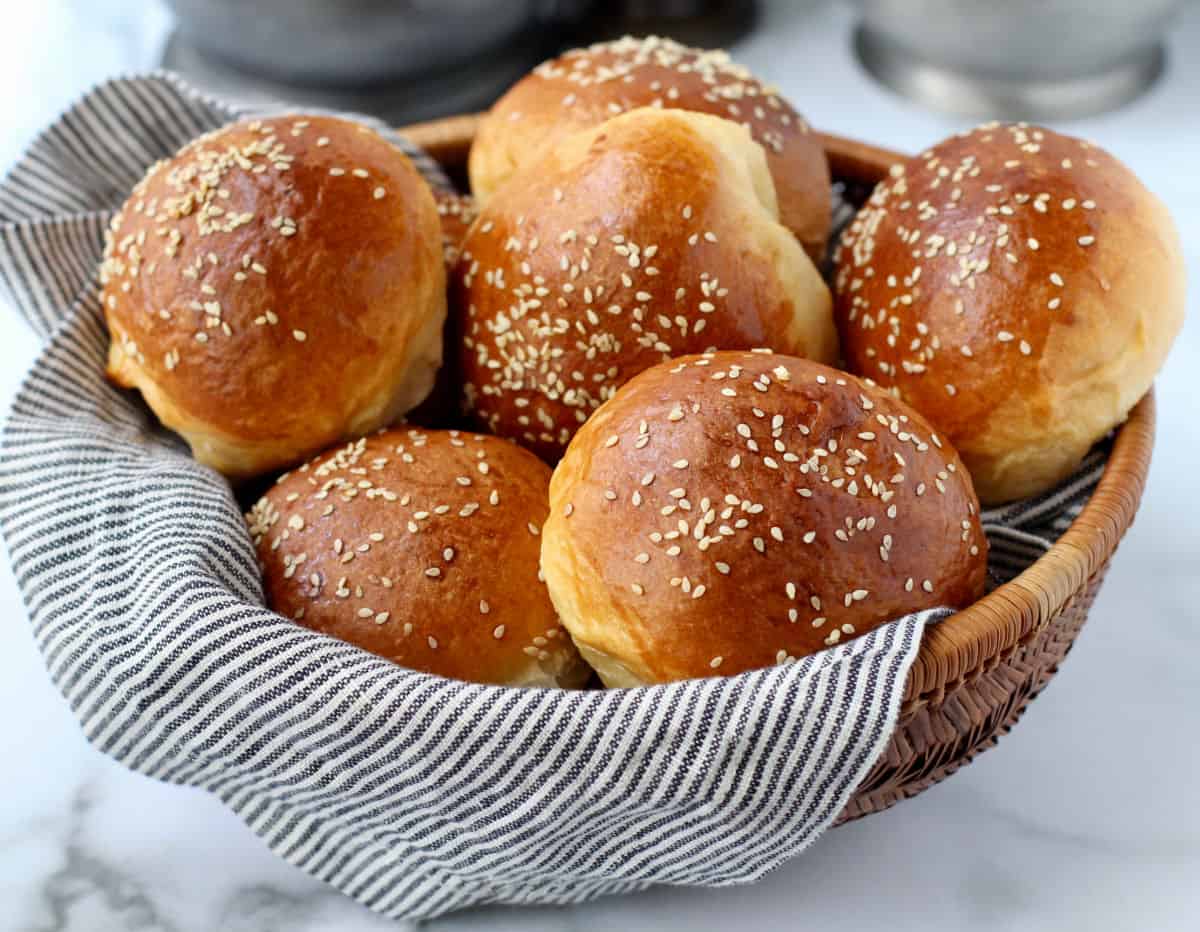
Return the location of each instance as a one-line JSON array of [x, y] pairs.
[[349, 42]]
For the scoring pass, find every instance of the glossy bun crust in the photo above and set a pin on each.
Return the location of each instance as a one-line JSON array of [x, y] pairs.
[[735, 510], [584, 87], [650, 236], [421, 547], [1020, 289], [275, 287]]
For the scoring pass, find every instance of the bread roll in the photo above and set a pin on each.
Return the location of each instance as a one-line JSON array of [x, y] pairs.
[[456, 212], [421, 547], [585, 87], [652, 235], [275, 287], [442, 406], [734, 510], [1020, 289]]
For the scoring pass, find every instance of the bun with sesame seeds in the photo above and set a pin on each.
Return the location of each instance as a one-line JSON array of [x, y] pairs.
[[456, 212], [421, 547], [652, 235], [734, 510], [585, 87], [1018, 287], [441, 406], [276, 287]]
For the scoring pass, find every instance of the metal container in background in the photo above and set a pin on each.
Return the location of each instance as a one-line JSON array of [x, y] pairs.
[[1016, 59], [350, 42], [411, 60], [402, 60]]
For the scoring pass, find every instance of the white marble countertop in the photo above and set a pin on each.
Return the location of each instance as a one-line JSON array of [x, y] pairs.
[[1084, 818]]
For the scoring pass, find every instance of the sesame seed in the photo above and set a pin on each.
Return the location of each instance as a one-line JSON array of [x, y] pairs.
[[299, 335], [378, 193]]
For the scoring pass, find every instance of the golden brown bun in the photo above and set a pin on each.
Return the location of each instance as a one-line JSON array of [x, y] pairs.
[[275, 287], [1020, 289], [421, 547], [456, 212], [734, 510], [584, 87], [649, 236]]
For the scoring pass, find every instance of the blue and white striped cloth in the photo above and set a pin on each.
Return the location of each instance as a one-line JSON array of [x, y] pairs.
[[413, 794]]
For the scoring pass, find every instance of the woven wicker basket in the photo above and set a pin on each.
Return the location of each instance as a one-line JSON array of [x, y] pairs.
[[977, 670]]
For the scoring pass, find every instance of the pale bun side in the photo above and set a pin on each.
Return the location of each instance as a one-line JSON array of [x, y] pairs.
[[587, 86], [275, 287], [649, 236], [421, 547], [730, 511], [1018, 287]]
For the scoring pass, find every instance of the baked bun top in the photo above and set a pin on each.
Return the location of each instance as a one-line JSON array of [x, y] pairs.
[[733, 510], [274, 287], [652, 235], [1018, 287], [421, 547], [584, 87]]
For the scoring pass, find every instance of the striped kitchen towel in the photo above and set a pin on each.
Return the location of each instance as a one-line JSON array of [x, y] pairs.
[[413, 794]]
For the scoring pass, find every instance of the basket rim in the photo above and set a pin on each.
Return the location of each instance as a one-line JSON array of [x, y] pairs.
[[984, 633]]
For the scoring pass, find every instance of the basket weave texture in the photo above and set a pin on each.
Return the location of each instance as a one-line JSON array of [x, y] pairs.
[[978, 670]]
